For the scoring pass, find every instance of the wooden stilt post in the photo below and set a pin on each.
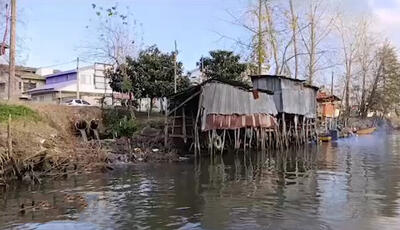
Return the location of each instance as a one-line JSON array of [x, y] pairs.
[[284, 133], [196, 128], [296, 121], [184, 125], [307, 129], [223, 142], [173, 124], [303, 132], [166, 131], [270, 138], [262, 134], [244, 139], [251, 137]]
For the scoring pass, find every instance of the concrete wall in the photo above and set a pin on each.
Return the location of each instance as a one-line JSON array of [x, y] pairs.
[[48, 98], [54, 98]]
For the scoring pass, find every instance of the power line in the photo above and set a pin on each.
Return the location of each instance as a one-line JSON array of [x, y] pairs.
[[60, 64]]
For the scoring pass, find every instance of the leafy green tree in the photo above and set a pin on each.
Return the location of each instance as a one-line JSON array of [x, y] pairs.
[[223, 65], [151, 75]]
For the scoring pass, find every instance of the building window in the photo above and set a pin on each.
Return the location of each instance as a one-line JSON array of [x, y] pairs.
[[29, 85], [2, 87], [19, 85]]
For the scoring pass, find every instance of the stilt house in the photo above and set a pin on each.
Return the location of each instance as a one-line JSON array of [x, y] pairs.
[[328, 110], [295, 102], [212, 111]]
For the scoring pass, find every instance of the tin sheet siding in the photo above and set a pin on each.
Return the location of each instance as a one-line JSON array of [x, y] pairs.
[[289, 96], [298, 99], [273, 85], [225, 99]]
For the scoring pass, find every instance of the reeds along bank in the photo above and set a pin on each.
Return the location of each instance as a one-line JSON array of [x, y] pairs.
[[217, 115]]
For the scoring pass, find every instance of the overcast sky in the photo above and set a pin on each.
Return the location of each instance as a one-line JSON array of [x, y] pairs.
[[53, 30]]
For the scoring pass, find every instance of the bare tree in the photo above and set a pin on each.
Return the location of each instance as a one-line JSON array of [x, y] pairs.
[[359, 51], [253, 21], [117, 36], [319, 22], [366, 55]]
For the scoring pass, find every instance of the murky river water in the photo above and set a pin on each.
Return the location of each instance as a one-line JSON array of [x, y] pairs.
[[351, 184]]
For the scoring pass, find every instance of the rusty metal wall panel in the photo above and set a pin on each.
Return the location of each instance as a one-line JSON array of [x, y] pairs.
[[225, 99], [230, 122]]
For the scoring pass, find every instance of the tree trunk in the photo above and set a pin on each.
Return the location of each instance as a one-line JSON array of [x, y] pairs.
[[272, 37], [151, 106], [130, 107], [294, 37], [260, 38], [311, 66], [374, 87], [348, 78], [362, 106], [161, 105]]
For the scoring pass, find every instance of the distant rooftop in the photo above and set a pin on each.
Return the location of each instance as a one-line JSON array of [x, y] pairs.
[[23, 72]]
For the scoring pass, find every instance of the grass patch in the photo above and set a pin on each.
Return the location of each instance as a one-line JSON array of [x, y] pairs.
[[17, 112]]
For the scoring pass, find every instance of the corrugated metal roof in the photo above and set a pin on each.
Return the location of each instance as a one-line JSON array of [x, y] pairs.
[[275, 76], [225, 99]]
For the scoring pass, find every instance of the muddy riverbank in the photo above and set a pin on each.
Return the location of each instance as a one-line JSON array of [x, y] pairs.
[[45, 143]]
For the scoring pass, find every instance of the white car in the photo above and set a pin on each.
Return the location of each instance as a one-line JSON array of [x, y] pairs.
[[76, 102]]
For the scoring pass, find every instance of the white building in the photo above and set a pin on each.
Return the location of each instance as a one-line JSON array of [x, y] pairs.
[[92, 86]]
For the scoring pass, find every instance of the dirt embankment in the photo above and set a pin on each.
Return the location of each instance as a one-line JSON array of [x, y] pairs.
[[45, 143]]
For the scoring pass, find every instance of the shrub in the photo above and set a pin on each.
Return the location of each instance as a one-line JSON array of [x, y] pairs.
[[124, 127], [119, 123]]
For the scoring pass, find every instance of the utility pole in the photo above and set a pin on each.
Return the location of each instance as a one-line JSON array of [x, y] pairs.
[[333, 73], [77, 79], [11, 72], [175, 65]]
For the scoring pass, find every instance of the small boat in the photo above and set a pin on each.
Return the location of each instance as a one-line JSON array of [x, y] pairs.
[[366, 131], [325, 138]]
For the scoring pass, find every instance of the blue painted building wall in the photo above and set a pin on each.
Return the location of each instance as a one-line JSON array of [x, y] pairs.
[[62, 77]]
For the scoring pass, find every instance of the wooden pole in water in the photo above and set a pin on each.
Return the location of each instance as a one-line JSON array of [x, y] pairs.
[[166, 131], [307, 129], [184, 125], [285, 140], [223, 142], [196, 129], [296, 121], [303, 133]]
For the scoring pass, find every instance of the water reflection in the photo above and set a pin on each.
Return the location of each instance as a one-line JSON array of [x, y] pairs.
[[349, 184]]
